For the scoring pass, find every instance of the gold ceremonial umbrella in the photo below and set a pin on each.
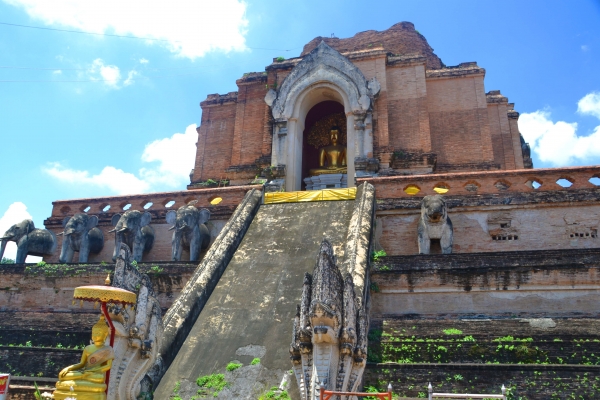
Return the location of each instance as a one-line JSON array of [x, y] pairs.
[[105, 294]]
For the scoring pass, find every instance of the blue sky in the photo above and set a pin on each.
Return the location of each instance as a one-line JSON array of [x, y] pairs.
[[90, 115]]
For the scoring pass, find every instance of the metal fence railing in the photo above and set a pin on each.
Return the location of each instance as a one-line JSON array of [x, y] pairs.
[[327, 394], [433, 395]]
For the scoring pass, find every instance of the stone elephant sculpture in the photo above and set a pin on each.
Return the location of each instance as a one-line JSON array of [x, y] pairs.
[[133, 228], [434, 224], [80, 234], [36, 242], [190, 228]]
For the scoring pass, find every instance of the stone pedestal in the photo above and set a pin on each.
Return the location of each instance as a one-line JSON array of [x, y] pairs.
[[326, 181]]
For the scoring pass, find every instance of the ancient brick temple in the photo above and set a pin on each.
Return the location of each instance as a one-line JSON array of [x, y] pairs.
[[447, 258], [405, 113]]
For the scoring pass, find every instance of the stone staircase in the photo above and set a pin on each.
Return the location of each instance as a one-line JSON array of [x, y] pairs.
[[250, 312], [535, 358]]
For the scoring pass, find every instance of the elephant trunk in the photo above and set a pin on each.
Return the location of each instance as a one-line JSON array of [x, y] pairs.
[[176, 246], [64, 251], [2, 248], [181, 228]]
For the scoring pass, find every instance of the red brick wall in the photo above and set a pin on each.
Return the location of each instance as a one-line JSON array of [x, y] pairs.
[[459, 121], [513, 118], [444, 111], [497, 140], [407, 108], [249, 123], [376, 67], [215, 138]]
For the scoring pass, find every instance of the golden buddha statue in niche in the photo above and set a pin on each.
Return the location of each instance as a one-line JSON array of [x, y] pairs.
[[332, 158], [86, 380]]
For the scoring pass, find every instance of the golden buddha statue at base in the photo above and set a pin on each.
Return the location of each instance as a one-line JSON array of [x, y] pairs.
[[87, 380], [332, 158]]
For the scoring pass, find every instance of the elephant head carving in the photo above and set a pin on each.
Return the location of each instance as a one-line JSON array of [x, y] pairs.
[[81, 235], [189, 225], [133, 228], [37, 242]]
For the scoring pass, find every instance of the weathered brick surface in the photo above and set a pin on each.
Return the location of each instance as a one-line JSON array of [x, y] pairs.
[[531, 382], [423, 106], [513, 118], [458, 119], [401, 38], [215, 139], [41, 290], [534, 358], [250, 122], [486, 182], [541, 227], [550, 217], [555, 283]]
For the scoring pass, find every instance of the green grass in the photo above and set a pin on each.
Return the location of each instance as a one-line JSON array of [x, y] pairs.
[[452, 331], [211, 384], [255, 361], [275, 394], [378, 254], [233, 366]]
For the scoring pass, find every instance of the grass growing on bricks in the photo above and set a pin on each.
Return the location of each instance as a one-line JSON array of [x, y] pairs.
[[211, 384], [233, 366]]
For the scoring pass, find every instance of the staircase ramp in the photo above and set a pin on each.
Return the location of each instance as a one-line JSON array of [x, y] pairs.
[[249, 313]]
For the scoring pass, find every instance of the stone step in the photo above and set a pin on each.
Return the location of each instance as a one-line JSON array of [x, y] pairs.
[[37, 361], [586, 351], [490, 327], [23, 388], [530, 382], [484, 341]]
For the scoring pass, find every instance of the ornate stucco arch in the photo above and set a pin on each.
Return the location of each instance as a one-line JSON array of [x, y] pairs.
[[323, 74]]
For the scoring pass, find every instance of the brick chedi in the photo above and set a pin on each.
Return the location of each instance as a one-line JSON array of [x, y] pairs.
[[426, 118], [456, 263]]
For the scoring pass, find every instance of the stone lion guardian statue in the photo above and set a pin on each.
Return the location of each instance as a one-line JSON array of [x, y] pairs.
[[434, 224]]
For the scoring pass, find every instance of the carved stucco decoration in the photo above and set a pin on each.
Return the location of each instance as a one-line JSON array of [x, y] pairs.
[[329, 344], [138, 334], [323, 64]]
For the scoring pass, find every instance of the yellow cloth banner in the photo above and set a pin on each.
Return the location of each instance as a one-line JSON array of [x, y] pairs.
[[312, 195]]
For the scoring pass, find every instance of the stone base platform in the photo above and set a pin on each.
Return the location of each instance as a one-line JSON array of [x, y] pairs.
[[326, 181]]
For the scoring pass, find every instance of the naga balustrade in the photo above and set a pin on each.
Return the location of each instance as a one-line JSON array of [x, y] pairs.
[[486, 182], [327, 394]]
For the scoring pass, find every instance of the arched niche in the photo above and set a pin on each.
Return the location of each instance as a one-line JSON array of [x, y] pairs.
[[324, 74]]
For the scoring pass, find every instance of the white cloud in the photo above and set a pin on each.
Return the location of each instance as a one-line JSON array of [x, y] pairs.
[[558, 143], [130, 76], [590, 104], [144, 61], [187, 28], [15, 213], [57, 72], [174, 157], [110, 74], [111, 178]]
